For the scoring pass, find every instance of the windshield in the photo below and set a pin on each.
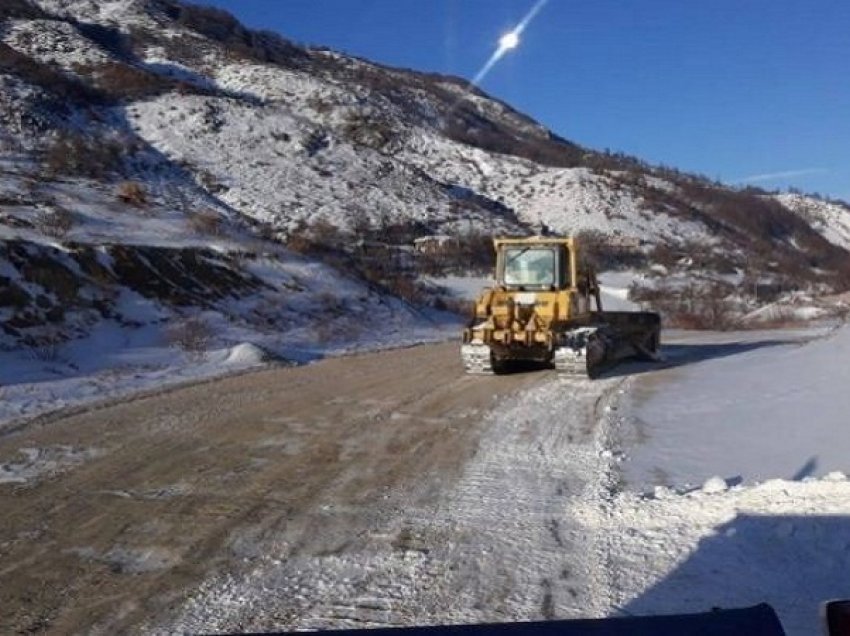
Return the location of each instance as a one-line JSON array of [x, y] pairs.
[[525, 266]]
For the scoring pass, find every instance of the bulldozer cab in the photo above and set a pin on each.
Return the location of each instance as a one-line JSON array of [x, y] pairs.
[[534, 264]]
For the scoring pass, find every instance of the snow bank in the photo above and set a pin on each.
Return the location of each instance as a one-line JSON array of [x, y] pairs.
[[751, 408]]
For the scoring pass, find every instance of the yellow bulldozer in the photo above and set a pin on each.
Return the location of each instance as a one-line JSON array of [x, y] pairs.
[[546, 307]]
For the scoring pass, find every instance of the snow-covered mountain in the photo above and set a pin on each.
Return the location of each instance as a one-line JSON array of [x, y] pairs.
[[160, 152]]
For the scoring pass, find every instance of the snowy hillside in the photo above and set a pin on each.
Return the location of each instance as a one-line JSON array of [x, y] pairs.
[[830, 218], [160, 154]]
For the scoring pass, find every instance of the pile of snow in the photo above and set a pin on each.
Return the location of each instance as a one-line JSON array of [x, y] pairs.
[[793, 307], [245, 355]]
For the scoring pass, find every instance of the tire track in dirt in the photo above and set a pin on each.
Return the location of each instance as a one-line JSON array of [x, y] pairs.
[[208, 481], [496, 543]]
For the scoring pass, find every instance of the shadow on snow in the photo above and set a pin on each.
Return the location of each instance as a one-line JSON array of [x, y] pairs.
[[792, 562]]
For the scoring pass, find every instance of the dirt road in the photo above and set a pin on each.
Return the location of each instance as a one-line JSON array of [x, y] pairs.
[[112, 517]]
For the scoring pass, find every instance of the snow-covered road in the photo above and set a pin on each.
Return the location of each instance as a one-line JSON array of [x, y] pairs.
[[542, 524], [390, 489], [498, 544]]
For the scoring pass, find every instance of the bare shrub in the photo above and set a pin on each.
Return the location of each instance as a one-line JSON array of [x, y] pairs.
[[52, 80], [300, 244], [122, 81], [133, 193], [75, 155], [692, 306], [320, 238], [192, 334], [46, 349], [206, 222], [21, 10], [209, 181], [363, 130], [320, 105]]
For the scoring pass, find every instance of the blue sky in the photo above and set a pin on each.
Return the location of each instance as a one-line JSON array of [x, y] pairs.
[[740, 90]]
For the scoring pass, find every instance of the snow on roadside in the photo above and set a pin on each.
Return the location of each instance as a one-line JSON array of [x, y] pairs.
[[32, 463], [780, 542], [754, 409], [756, 406], [143, 369], [63, 382]]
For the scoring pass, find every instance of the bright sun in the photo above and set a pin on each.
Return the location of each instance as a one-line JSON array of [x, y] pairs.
[[509, 41]]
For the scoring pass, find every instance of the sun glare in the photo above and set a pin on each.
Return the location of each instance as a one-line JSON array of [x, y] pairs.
[[509, 41]]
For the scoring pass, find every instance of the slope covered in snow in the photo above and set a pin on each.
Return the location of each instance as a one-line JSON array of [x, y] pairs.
[[830, 218]]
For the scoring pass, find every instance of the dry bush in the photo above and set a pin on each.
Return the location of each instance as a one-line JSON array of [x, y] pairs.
[[363, 130], [206, 222], [315, 142], [132, 193], [75, 155], [122, 81], [192, 334], [47, 348], [320, 238], [21, 10], [692, 306], [54, 81], [300, 244]]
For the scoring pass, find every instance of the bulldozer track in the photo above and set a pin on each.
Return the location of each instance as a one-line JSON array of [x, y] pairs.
[[477, 360]]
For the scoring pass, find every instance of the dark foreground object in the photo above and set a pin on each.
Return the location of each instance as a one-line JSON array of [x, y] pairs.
[[837, 617], [759, 620]]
